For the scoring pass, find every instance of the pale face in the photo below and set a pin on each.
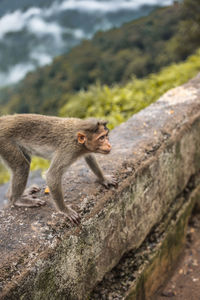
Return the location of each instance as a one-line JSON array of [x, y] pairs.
[[101, 141], [98, 142]]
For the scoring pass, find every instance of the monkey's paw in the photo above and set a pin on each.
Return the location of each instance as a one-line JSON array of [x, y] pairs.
[[109, 180], [72, 215], [32, 189], [29, 202]]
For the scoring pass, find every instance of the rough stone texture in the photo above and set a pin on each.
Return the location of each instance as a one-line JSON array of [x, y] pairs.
[[155, 153], [141, 272], [163, 258]]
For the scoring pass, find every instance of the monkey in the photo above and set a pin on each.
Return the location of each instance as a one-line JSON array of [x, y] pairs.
[[60, 140]]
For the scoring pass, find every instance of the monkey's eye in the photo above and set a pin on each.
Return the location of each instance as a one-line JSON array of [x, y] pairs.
[[102, 138]]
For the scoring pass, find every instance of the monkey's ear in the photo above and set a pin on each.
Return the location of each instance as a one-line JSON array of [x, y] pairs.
[[81, 138]]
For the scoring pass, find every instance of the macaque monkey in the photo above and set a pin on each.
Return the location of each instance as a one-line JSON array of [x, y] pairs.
[[61, 140]]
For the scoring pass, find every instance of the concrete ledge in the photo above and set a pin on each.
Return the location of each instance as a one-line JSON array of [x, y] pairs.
[[141, 272], [155, 154]]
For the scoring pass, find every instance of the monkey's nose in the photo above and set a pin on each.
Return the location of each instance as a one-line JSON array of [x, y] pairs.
[[109, 146]]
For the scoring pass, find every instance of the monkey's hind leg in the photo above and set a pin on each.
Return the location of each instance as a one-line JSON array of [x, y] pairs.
[[19, 165], [19, 180], [31, 190]]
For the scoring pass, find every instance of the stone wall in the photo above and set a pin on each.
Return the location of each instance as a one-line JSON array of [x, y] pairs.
[[155, 155]]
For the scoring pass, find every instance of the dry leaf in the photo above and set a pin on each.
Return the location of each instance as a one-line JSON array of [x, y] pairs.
[[47, 191]]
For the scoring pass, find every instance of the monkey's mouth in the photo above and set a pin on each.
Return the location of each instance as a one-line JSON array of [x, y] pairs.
[[104, 151]]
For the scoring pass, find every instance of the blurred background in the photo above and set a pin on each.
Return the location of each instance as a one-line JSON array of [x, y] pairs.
[[33, 32]]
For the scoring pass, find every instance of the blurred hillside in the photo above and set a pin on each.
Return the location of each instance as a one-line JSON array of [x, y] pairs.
[[119, 102], [33, 32], [137, 48]]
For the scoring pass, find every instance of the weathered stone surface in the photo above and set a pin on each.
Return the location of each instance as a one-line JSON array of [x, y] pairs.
[[140, 273], [154, 155]]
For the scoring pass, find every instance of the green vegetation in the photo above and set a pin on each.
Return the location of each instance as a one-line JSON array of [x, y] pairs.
[[4, 175], [138, 48], [118, 103], [187, 38], [38, 162]]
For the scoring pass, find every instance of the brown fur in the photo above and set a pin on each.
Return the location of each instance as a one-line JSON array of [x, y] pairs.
[[62, 140]]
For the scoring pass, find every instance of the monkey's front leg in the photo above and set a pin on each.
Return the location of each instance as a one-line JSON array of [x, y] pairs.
[[105, 180], [54, 182]]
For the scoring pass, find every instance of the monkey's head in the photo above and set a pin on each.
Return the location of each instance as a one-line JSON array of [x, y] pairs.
[[94, 136]]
